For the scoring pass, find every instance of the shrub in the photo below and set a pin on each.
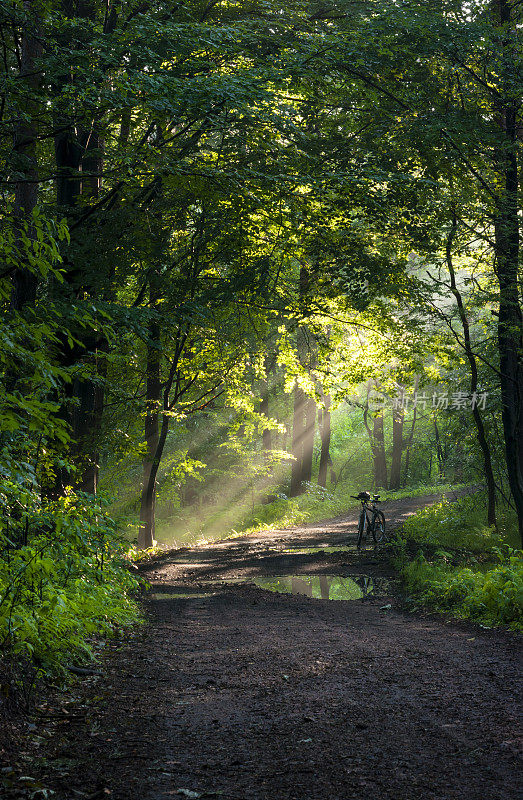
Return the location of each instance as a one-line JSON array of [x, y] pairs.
[[66, 582], [472, 572], [493, 596]]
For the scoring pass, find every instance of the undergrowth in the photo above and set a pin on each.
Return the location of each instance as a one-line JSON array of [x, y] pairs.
[[492, 596], [462, 565], [64, 580], [460, 524]]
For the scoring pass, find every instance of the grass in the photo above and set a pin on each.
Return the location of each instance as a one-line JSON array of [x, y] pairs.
[[460, 525], [462, 565]]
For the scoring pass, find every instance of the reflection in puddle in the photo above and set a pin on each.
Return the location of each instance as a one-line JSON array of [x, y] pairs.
[[324, 587], [321, 587]]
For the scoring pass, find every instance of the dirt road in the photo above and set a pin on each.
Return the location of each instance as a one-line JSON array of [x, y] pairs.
[[239, 693]]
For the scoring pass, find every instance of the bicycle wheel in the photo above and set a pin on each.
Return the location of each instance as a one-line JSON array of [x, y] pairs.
[[362, 528], [378, 527]]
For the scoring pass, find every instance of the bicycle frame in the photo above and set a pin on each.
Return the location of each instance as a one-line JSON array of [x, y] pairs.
[[371, 516], [370, 508]]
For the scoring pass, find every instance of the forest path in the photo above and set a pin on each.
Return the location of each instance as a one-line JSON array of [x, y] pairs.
[[238, 693]]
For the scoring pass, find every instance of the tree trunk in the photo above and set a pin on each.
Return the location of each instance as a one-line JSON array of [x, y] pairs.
[[380, 460], [25, 281], [148, 503], [92, 162], [86, 419], [146, 531], [298, 435], [267, 433], [506, 232], [267, 444], [397, 447], [299, 586], [439, 452], [478, 421], [152, 435], [325, 433], [376, 436], [78, 147], [411, 437], [308, 439], [304, 413], [264, 409]]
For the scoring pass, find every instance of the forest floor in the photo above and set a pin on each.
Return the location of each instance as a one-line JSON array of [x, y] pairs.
[[234, 692]]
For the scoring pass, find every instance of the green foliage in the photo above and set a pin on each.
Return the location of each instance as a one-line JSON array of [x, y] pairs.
[[493, 596], [67, 585], [458, 524], [33, 241], [63, 578], [471, 571], [419, 490]]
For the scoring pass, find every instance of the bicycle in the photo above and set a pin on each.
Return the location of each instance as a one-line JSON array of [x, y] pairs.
[[371, 520]]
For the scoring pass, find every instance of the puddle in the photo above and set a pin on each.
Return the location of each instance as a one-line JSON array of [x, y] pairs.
[[320, 587], [307, 551], [325, 587]]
